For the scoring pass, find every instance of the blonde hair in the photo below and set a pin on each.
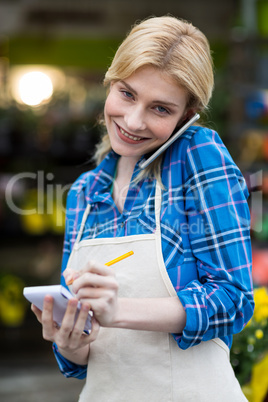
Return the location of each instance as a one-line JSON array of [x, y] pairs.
[[173, 46]]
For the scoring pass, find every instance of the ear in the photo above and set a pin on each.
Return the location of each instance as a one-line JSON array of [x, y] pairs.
[[188, 114]]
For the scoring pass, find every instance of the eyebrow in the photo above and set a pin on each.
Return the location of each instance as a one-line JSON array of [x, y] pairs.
[[161, 102]]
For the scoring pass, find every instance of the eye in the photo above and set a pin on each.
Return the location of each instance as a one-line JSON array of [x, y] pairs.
[[162, 110], [127, 94]]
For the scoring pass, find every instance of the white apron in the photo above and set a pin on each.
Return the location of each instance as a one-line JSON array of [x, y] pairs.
[[144, 366]]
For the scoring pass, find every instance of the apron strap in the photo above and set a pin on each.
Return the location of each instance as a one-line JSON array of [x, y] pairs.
[[161, 263], [81, 229], [157, 203], [157, 206]]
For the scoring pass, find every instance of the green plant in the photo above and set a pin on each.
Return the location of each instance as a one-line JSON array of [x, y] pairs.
[[250, 347]]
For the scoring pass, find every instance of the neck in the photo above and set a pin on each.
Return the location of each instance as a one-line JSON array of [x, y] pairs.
[[125, 169], [126, 166]]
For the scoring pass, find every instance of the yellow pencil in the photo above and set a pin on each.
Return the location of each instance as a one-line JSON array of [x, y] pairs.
[[121, 257], [128, 254]]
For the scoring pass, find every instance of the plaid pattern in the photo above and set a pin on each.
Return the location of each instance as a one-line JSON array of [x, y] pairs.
[[205, 231]]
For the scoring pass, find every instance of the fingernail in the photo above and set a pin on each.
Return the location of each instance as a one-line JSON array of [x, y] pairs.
[[86, 307], [73, 302], [67, 278], [66, 272]]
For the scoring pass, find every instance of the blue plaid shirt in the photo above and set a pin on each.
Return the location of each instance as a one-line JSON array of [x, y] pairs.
[[205, 232]]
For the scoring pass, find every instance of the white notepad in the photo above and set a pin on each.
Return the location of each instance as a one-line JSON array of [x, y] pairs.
[[61, 295]]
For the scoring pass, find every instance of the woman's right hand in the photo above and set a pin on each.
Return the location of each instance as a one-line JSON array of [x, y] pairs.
[[73, 343]]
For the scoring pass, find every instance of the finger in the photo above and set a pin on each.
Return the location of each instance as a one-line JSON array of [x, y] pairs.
[[93, 280], [91, 294], [47, 318], [97, 268], [67, 272], [80, 323], [91, 267], [37, 312], [69, 318], [70, 275], [95, 328]]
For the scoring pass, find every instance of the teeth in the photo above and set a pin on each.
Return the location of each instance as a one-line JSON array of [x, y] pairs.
[[129, 136]]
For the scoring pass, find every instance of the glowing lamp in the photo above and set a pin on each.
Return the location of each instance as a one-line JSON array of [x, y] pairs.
[[34, 88]]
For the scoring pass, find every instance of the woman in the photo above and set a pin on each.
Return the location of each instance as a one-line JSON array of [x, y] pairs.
[[163, 318]]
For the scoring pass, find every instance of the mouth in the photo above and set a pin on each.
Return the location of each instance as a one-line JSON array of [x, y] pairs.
[[125, 136]]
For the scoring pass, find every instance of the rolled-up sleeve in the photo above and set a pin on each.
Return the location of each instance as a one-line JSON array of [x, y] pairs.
[[68, 368], [219, 302]]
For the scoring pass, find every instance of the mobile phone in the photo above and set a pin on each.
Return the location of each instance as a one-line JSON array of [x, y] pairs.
[[144, 163]]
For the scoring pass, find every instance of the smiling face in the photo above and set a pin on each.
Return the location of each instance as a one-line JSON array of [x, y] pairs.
[[142, 111]]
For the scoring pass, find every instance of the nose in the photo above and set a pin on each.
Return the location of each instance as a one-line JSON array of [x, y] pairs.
[[135, 119]]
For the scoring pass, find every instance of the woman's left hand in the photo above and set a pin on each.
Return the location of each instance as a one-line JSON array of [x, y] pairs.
[[96, 284]]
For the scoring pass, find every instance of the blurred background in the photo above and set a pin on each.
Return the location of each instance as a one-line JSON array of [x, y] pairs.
[[53, 56]]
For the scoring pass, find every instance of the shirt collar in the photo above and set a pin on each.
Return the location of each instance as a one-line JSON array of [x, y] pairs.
[[97, 183]]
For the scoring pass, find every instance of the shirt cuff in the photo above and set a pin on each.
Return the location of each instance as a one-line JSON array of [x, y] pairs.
[[68, 368], [196, 319]]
